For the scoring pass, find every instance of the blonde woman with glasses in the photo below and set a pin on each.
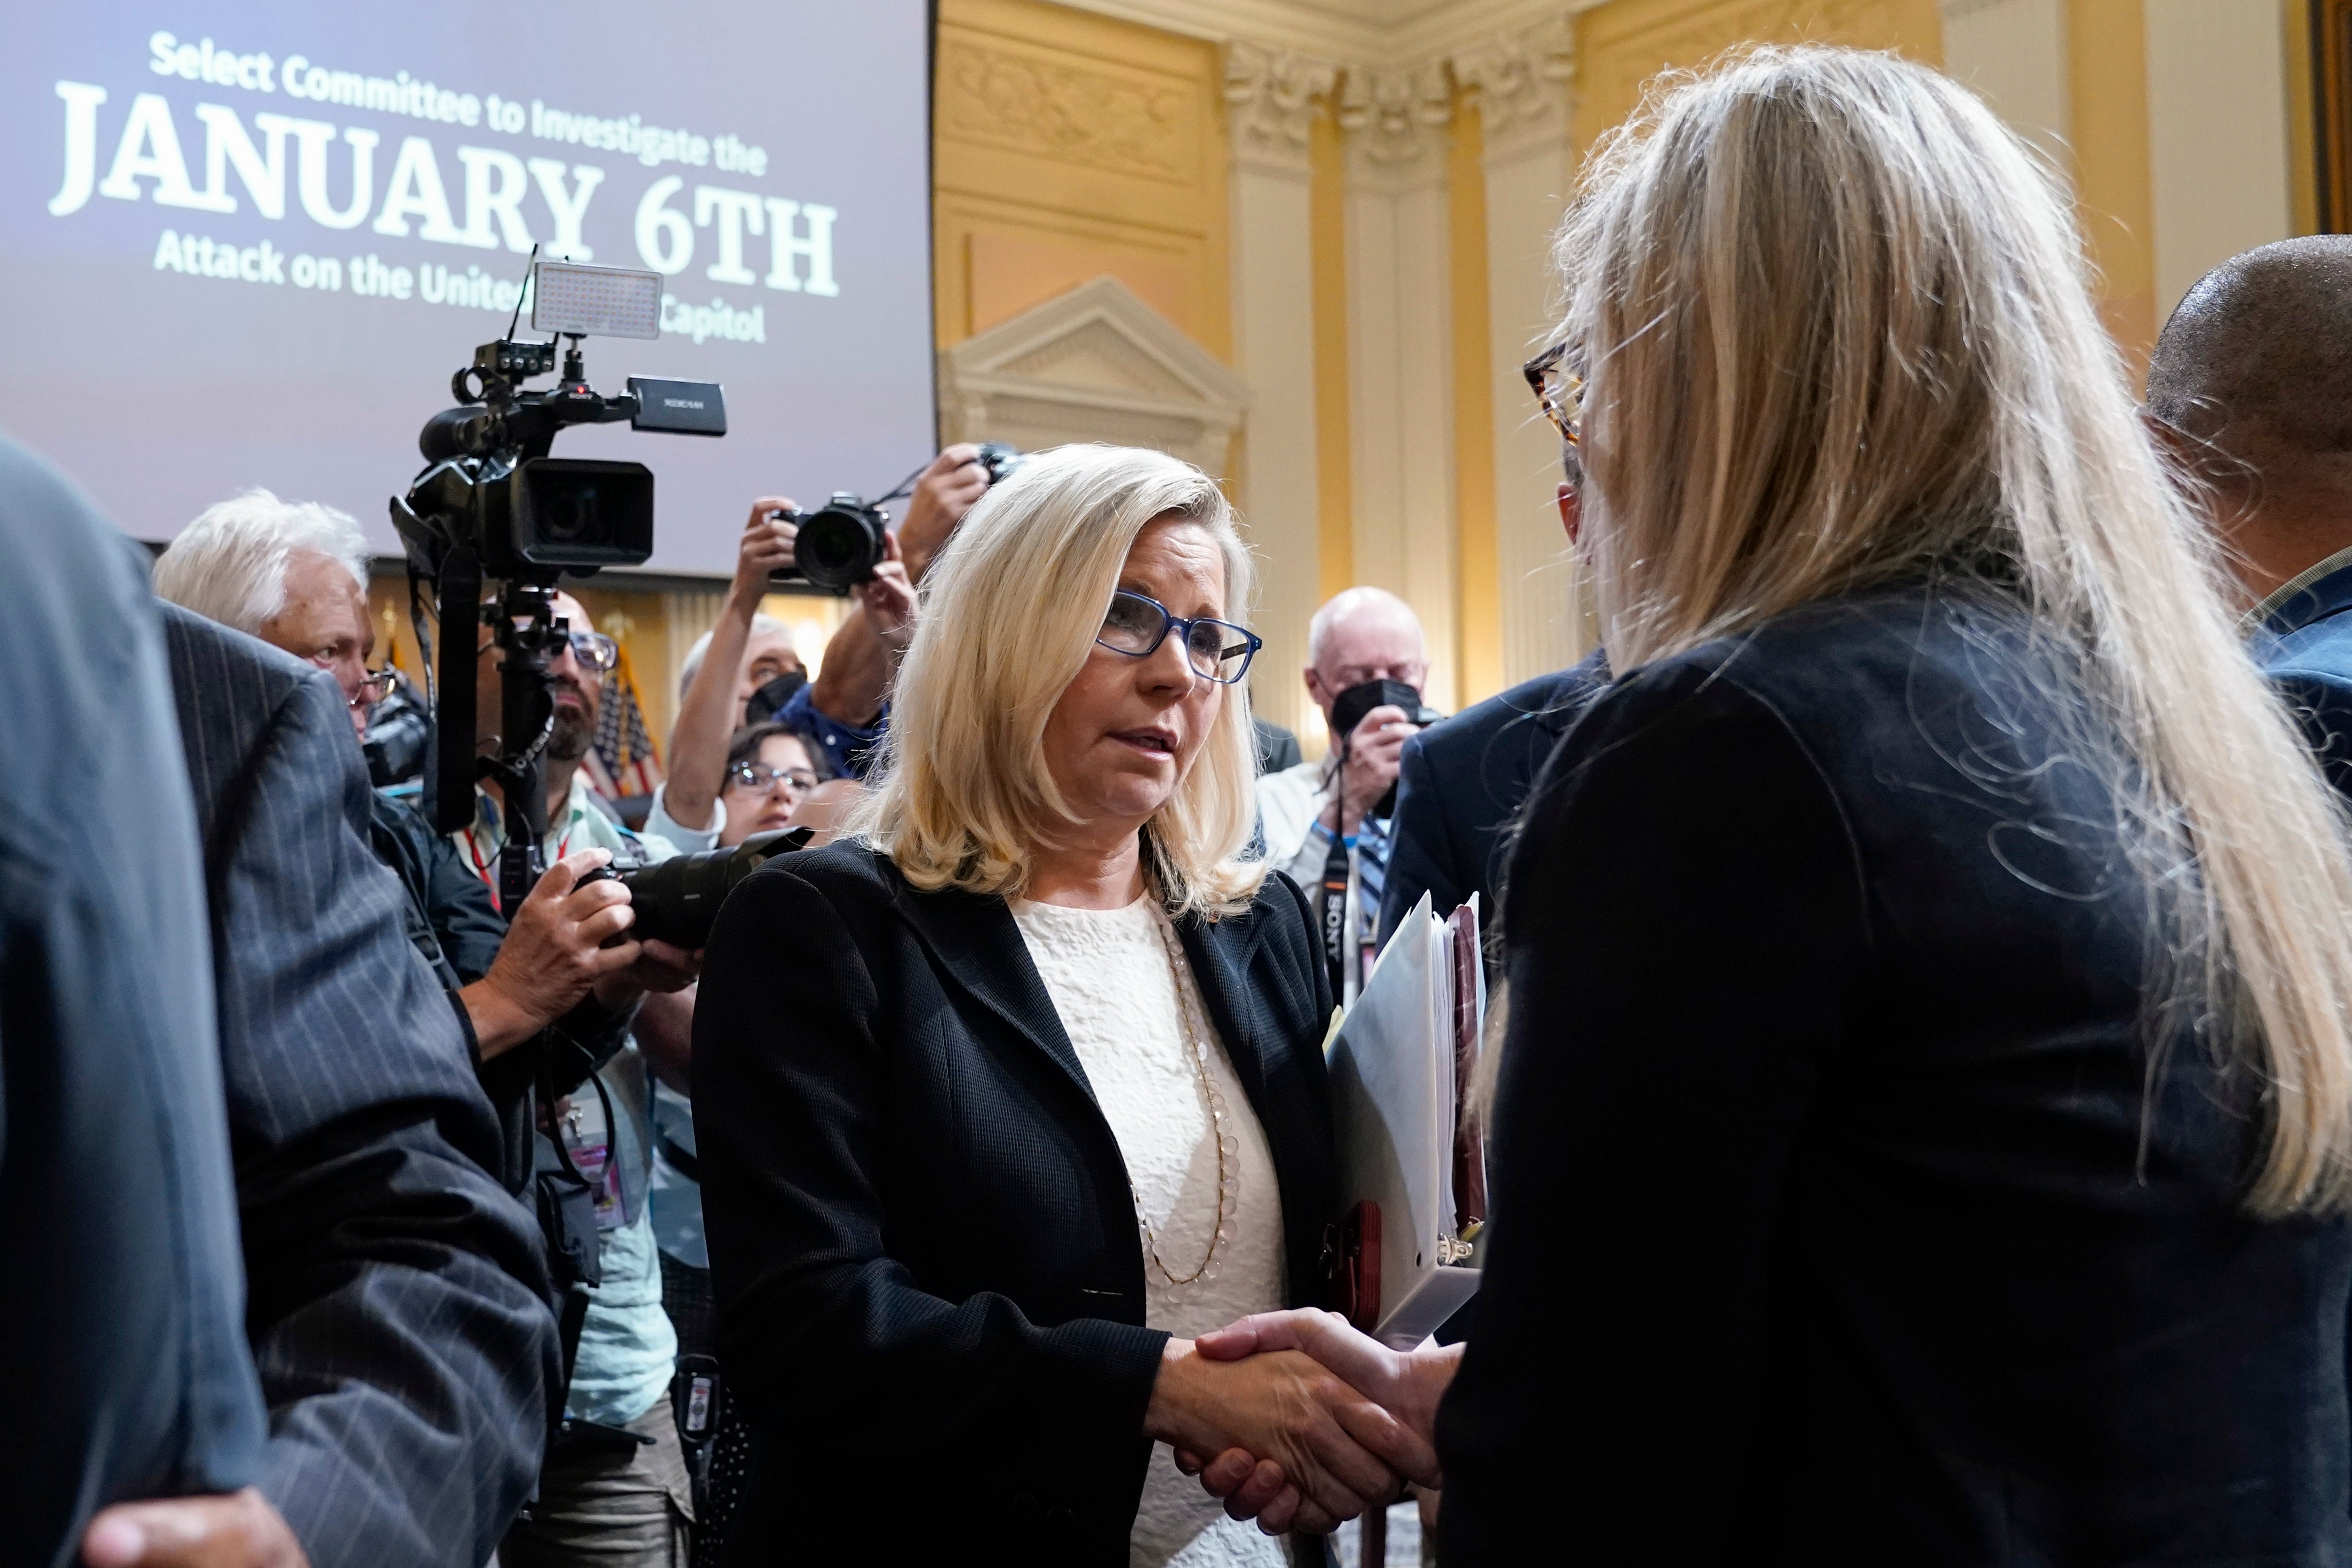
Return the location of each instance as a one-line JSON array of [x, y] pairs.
[[1007, 1095], [1921, 1135]]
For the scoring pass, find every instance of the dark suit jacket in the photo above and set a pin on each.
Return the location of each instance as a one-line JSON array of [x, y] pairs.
[[397, 1293], [1825, 1229], [1462, 782], [122, 1328], [930, 1284]]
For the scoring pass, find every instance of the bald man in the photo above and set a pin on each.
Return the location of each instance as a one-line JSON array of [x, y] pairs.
[[2251, 386], [1361, 635]]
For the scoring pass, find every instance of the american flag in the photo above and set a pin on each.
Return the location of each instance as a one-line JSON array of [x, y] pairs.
[[624, 760]]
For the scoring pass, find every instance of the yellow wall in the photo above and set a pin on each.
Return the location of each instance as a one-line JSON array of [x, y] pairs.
[[1478, 617], [1335, 482], [2108, 48], [1622, 45], [1066, 146]]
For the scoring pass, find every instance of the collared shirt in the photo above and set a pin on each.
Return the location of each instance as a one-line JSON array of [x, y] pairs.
[[2262, 614], [848, 747], [1294, 818], [628, 1349]]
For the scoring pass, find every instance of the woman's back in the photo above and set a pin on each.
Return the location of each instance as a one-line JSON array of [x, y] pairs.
[[1832, 1223]]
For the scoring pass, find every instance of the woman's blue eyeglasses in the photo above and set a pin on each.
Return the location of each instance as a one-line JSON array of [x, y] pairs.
[[1219, 650]]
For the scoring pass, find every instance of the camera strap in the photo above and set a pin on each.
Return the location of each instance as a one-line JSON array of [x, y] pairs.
[[1332, 906], [1334, 915]]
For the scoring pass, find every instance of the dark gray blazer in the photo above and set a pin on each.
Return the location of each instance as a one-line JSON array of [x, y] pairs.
[[121, 1332], [396, 1293]]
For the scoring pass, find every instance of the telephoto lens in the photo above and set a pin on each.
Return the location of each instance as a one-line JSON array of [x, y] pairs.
[[676, 899]]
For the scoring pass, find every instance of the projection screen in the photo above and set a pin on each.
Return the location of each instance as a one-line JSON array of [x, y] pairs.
[[248, 244]]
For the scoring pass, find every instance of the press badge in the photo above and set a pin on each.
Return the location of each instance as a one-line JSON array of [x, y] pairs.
[[588, 1140]]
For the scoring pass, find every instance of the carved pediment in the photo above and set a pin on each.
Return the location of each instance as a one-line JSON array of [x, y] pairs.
[[1093, 363]]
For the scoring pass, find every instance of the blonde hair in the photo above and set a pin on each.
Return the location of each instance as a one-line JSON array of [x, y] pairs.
[[1010, 612], [1837, 326]]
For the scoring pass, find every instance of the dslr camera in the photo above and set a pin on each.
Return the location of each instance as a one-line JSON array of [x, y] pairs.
[[676, 899], [841, 543], [492, 506]]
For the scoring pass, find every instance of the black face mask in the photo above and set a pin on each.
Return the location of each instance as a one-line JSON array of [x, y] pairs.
[[770, 699]]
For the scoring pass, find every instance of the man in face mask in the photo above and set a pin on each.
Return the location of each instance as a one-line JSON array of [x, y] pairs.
[[1326, 822]]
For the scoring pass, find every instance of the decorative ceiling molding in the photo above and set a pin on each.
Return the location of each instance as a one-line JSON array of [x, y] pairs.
[[1270, 94], [1395, 121], [1391, 35], [1525, 80]]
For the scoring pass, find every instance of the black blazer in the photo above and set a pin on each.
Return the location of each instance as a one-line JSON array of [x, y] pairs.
[[1461, 782], [397, 1294], [1824, 1232], [930, 1287]]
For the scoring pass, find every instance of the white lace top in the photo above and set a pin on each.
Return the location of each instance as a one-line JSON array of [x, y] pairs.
[[1110, 976]]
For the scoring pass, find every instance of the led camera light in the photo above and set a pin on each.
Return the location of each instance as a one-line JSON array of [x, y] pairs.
[[596, 301]]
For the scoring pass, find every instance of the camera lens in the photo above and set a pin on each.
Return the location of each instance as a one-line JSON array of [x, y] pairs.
[[571, 515], [838, 547]]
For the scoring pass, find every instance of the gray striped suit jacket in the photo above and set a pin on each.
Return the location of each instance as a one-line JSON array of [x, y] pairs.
[[396, 1293]]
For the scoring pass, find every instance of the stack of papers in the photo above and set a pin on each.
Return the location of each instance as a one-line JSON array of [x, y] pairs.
[[1399, 1063]]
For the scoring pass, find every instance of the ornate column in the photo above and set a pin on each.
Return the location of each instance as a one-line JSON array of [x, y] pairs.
[[1523, 82], [1399, 347], [1271, 97]]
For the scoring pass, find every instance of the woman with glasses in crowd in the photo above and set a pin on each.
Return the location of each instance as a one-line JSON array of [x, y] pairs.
[[1008, 1095], [771, 768]]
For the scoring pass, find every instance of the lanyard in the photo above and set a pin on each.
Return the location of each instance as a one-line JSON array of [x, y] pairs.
[[486, 869]]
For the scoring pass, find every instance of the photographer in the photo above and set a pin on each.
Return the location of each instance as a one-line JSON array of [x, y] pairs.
[[1326, 823], [843, 708], [615, 1483]]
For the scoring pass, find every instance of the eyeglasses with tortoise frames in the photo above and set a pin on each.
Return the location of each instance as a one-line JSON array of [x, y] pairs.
[[1560, 391]]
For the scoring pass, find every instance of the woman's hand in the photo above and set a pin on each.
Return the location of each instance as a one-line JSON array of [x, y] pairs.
[[1409, 1385], [1341, 1450]]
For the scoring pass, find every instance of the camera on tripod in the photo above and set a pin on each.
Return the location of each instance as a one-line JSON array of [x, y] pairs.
[[492, 506]]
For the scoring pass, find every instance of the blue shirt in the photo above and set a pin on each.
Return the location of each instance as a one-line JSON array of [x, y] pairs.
[[2302, 637], [849, 748], [628, 1349]]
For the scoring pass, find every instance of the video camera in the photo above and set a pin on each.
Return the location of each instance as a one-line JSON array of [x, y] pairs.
[[841, 543], [492, 506]]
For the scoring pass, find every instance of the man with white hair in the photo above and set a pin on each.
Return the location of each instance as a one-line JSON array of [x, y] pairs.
[[294, 574], [1319, 816]]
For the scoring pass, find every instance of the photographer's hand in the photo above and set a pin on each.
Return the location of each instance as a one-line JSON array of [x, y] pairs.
[[706, 712], [552, 956], [944, 494], [237, 1530], [887, 598], [767, 546], [1375, 753]]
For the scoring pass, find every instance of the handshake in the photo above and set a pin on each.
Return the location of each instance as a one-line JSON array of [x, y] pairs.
[[1297, 1420]]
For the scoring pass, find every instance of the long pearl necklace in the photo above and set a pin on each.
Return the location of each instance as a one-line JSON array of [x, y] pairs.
[[1229, 1149]]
